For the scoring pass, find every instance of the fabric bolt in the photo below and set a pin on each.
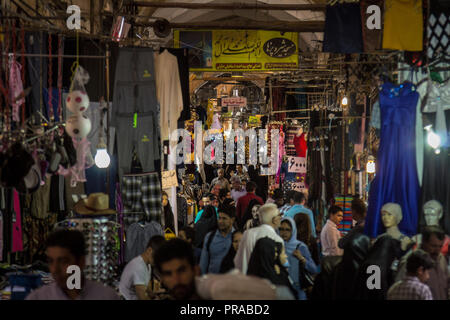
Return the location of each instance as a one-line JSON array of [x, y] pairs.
[[137, 237], [136, 272], [142, 138], [371, 37], [396, 180], [410, 288], [329, 238], [211, 258], [248, 241], [17, 240], [142, 194], [343, 28], [91, 290], [169, 92], [298, 208], [403, 25]]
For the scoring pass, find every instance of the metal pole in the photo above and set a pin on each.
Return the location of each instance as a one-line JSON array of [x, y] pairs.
[[107, 115], [54, 56], [231, 6]]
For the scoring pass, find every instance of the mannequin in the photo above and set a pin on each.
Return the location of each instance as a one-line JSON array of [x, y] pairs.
[[391, 215], [433, 212]]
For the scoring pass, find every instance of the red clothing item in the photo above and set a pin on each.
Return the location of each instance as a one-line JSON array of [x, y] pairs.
[[243, 203], [301, 145]]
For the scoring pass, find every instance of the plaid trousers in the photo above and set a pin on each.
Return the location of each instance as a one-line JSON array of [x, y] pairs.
[[142, 194]]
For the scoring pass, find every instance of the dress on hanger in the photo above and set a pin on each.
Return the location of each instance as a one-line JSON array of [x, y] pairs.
[[396, 180]]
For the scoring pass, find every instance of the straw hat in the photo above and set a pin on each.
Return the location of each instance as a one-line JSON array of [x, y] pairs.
[[96, 203]]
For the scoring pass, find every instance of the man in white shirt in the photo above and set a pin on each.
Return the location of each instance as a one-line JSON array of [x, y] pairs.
[[237, 190], [271, 220], [135, 279], [330, 235]]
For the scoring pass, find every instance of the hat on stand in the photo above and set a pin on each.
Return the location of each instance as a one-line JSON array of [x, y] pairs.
[[95, 204]]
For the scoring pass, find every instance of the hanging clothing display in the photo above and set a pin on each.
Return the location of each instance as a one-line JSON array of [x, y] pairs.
[[301, 145], [135, 109], [138, 235], [169, 92], [142, 193], [17, 241], [371, 37], [396, 180], [403, 27], [343, 29], [438, 29], [182, 55], [436, 176]]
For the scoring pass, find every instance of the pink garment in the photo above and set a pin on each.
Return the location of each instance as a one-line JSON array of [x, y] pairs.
[[15, 88], [17, 242], [84, 161]]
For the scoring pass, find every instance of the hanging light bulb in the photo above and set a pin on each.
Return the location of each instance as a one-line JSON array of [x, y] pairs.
[[433, 139], [437, 151], [344, 101], [102, 159], [370, 166]]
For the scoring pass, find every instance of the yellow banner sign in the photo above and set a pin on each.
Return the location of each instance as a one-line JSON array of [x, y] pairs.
[[239, 50]]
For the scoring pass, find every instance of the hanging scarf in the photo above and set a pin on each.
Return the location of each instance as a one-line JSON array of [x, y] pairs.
[[15, 88]]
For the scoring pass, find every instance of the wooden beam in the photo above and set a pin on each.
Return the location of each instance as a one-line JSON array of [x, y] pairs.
[[231, 6], [300, 26]]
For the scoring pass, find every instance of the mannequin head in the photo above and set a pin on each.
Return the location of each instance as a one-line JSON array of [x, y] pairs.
[[391, 215], [432, 211]]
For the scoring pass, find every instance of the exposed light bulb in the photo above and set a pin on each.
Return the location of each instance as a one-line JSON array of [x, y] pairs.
[[433, 139], [437, 151], [102, 159], [344, 101], [370, 168]]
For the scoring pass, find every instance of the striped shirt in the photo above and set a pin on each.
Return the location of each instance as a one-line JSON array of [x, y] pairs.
[[410, 288]]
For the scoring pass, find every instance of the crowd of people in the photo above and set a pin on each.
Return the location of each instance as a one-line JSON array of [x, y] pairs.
[[245, 244]]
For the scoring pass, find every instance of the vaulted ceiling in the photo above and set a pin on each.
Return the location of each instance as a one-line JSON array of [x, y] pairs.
[[96, 12]]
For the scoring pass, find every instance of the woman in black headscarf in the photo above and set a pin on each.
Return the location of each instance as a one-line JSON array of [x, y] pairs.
[[346, 272], [384, 252], [207, 223], [267, 260], [168, 214]]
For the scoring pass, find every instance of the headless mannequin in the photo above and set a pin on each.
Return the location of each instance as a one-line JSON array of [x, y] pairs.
[[391, 215]]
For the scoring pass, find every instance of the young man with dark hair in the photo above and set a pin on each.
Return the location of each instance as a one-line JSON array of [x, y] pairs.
[[188, 234], [224, 194], [330, 235], [175, 262], [135, 279], [243, 202], [65, 248], [299, 207], [359, 211], [439, 281], [218, 242], [413, 285]]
